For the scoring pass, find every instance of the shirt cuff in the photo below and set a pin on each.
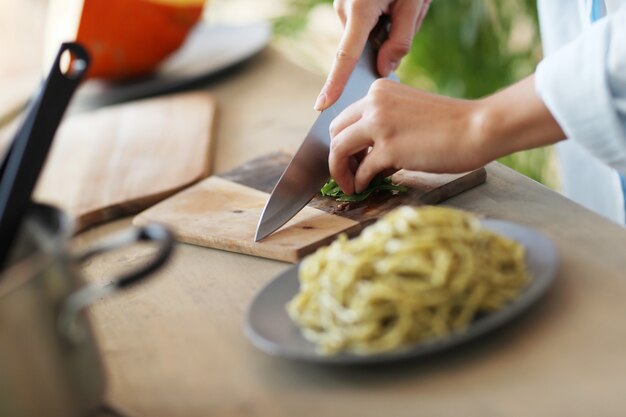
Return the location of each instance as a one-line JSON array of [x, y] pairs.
[[574, 84]]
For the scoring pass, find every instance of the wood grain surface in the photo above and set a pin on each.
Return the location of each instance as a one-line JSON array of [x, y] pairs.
[[122, 159], [222, 211], [174, 347]]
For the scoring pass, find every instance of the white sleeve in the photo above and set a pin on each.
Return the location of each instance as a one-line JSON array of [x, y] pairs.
[[584, 86]]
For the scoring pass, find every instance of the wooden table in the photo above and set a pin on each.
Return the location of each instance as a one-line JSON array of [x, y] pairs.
[[175, 347]]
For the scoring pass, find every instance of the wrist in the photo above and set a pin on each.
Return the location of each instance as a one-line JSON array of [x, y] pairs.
[[484, 131], [512, 120]]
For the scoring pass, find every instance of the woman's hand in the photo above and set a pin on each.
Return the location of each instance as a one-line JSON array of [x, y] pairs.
[[359, 18], [405, 128], [415, 130]]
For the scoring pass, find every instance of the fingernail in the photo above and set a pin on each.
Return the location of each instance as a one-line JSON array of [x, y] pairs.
[[392, 66], [320, 102]]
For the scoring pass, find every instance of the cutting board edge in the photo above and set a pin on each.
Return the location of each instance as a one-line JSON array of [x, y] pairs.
[[140, 220], [125, 208], [474, 178], [351, 231], [209, 162], [294, 256]]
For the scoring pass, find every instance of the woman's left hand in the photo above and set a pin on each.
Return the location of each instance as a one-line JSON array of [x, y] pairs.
[[405, 128]]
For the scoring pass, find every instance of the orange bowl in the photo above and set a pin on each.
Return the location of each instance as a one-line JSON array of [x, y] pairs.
[[129, 38]]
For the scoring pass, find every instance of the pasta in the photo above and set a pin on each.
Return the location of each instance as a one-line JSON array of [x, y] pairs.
[[417, 274]]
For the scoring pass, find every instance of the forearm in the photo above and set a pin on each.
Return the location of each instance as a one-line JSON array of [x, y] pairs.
[[512, 120]]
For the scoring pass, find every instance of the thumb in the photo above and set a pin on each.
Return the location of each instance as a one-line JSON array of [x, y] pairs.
[[403, 24], [374, 163]]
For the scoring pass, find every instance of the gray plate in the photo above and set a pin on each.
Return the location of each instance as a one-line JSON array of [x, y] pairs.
[[207, 51], [270, 329]]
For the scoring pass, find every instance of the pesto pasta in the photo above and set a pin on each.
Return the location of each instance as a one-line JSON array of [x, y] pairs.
[[417, 274]]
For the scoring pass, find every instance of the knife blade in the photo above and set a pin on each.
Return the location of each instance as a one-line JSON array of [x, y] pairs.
[[308, 170]]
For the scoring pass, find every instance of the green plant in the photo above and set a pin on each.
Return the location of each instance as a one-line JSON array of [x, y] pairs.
[[471, 48]]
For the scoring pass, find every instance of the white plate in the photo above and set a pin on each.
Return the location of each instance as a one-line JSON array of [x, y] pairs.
[[270, 329], [208, 50]]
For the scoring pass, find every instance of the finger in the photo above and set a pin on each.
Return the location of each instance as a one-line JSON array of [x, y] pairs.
[[352, 140], [358, 27], [349, 116], [403, 18], [340, 9], [422, 15], [343, 151], [372, 164]]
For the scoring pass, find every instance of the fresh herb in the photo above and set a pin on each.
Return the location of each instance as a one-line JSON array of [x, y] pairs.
[[379, 183]]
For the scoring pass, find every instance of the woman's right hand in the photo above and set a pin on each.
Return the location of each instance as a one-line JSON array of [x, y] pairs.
[[359, 18]]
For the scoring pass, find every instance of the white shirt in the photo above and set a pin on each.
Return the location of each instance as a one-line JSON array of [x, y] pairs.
[[582, 80]]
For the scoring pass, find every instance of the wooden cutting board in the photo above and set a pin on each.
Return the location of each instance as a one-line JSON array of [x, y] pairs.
[[122, 159], [222, 211]]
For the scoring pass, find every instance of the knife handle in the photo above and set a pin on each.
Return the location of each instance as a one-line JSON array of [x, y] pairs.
[[380, 33]]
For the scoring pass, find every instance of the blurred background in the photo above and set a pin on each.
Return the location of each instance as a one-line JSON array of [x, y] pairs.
[[465, 49]]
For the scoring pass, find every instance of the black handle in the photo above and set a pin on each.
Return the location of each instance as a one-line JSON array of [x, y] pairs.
[[89, 294], [150, 233], [27, 153], [380, 33]]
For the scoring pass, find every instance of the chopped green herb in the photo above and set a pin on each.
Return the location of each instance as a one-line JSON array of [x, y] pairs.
[[331, 189]]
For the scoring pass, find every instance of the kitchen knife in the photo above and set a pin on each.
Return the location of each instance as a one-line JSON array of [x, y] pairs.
[[308, 170]]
